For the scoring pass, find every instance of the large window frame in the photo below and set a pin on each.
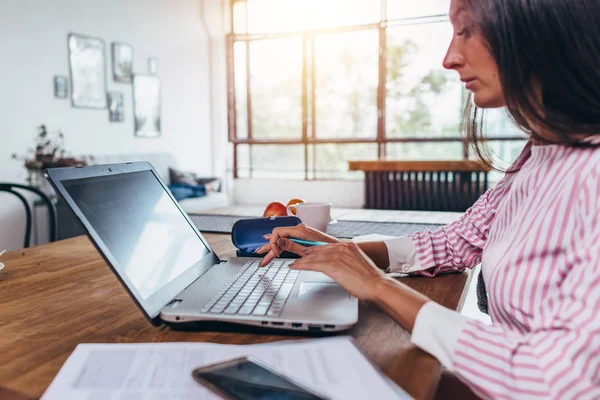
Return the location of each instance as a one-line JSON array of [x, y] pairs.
[[308, 139]]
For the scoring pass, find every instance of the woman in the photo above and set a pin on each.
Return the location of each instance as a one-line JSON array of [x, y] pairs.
[[536, 233]]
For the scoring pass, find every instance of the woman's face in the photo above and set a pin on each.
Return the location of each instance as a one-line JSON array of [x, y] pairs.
[[469, 55]]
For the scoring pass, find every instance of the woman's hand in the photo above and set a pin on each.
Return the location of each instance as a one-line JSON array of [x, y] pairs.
[[301, 231], [346, 264], [349, 266]]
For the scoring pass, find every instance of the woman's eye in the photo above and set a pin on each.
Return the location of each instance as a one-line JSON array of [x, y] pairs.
[[466, 31]]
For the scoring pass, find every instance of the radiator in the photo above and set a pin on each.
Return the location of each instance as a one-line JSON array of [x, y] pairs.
[[424, 191]]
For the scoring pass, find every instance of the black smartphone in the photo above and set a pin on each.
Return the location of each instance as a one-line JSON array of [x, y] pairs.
[[247, 378]]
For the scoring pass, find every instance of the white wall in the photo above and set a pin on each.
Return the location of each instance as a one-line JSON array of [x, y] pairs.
[[33, 45]]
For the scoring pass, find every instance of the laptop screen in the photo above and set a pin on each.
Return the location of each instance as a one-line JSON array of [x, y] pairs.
[[150, 241]]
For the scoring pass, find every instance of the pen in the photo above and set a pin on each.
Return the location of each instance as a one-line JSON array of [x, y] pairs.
[[307, 243]]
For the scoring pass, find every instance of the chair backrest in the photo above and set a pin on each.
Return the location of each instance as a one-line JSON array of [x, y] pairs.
[[422, 185], [15, 188]]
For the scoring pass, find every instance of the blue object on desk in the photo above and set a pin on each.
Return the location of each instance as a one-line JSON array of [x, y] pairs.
[[307, 243], [248, 234]]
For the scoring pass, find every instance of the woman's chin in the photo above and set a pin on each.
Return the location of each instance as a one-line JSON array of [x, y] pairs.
[[484, 100]]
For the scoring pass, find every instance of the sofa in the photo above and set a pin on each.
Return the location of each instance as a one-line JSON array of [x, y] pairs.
[[161, 163]]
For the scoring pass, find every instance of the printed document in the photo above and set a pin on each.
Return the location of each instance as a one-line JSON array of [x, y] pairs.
[[163, 371]]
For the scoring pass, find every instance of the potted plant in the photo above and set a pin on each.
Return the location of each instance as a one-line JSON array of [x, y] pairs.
[[49, 152]]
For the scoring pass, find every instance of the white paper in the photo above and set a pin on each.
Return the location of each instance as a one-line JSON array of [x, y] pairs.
[[162, 371]]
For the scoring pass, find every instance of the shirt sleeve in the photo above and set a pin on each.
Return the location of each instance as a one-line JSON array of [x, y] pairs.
[[452, 248], [458, 245], [437, 330], [558, 358], [402, 254]]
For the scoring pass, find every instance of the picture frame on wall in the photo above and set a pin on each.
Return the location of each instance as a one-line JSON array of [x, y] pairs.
[[88, 72], [146, 104], [61, 86], [122, 62], [116, 107]]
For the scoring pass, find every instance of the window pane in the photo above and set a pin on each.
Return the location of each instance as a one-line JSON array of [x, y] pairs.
[[276, 88], [423, 99], [398, 9], [332, 159], [424, 151], [346, 84], [497, 123], [239, 17], [269, 16], [241, 94], [243, 160], [504, 153], [278, 161]]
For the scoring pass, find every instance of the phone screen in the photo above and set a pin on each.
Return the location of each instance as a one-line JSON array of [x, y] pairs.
[[248, 380]]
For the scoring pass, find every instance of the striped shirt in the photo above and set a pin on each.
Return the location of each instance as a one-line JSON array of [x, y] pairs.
[[537, 237]]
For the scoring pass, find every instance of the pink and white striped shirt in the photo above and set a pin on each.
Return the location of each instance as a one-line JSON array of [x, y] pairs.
[[537, 236]]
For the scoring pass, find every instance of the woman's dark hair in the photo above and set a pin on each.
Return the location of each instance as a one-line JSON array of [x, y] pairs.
[[552, 46]]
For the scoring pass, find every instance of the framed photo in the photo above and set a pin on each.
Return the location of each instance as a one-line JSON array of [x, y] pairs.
[[116, 107], [88, 72], [61, 87], [152, 65], [146, 103], [122, 62]]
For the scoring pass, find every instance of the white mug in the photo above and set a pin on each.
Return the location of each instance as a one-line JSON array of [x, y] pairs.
[[315, 215]]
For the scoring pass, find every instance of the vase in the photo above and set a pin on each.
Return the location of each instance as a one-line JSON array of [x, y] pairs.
[[37, 180]]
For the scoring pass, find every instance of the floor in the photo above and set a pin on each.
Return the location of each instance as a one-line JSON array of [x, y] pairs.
[[470, 307]]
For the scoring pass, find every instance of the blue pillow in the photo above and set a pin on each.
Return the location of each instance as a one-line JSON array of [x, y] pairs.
[[184, 191]]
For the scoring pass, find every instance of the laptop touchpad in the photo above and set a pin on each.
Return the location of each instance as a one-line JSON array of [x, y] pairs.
[[322, 291]]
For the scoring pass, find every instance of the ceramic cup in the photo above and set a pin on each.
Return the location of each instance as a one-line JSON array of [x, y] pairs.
[[315, 215]]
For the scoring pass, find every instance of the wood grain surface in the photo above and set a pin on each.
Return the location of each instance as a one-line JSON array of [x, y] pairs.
[[418, 166], [55, 296]]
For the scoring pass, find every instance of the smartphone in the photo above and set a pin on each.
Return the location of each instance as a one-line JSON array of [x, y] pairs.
[[247, 378]]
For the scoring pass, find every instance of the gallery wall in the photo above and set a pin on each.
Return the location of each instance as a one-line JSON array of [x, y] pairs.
[[33, 44]]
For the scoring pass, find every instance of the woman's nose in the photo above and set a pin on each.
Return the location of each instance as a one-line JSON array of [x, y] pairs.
[[454, 58]]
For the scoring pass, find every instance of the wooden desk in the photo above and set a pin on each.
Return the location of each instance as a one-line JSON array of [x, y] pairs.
[[55, 296]]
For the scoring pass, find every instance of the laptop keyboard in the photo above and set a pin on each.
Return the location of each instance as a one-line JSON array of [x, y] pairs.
[[255, 291]]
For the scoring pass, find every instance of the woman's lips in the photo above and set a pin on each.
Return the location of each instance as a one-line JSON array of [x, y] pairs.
[[469, 83]]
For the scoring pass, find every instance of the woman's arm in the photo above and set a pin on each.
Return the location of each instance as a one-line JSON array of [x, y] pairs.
[[558, 358], [458, 245]]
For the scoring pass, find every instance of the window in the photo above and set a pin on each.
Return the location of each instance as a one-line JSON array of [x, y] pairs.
[[316, 83]]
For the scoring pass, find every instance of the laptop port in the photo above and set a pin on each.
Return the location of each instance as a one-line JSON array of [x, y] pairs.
[[314, 328], [296, 325], [329, 326], [265, 322], [277, 323]]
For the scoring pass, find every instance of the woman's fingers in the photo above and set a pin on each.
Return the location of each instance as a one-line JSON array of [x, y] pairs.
[[274, 247], [271, 255], [263, 249], [282, 245], [288, 245]]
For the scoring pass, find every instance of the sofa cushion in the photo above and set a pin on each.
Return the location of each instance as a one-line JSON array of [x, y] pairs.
[[189, 178]]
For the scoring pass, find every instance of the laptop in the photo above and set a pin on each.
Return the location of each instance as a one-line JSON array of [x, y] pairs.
[[170, 270]]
